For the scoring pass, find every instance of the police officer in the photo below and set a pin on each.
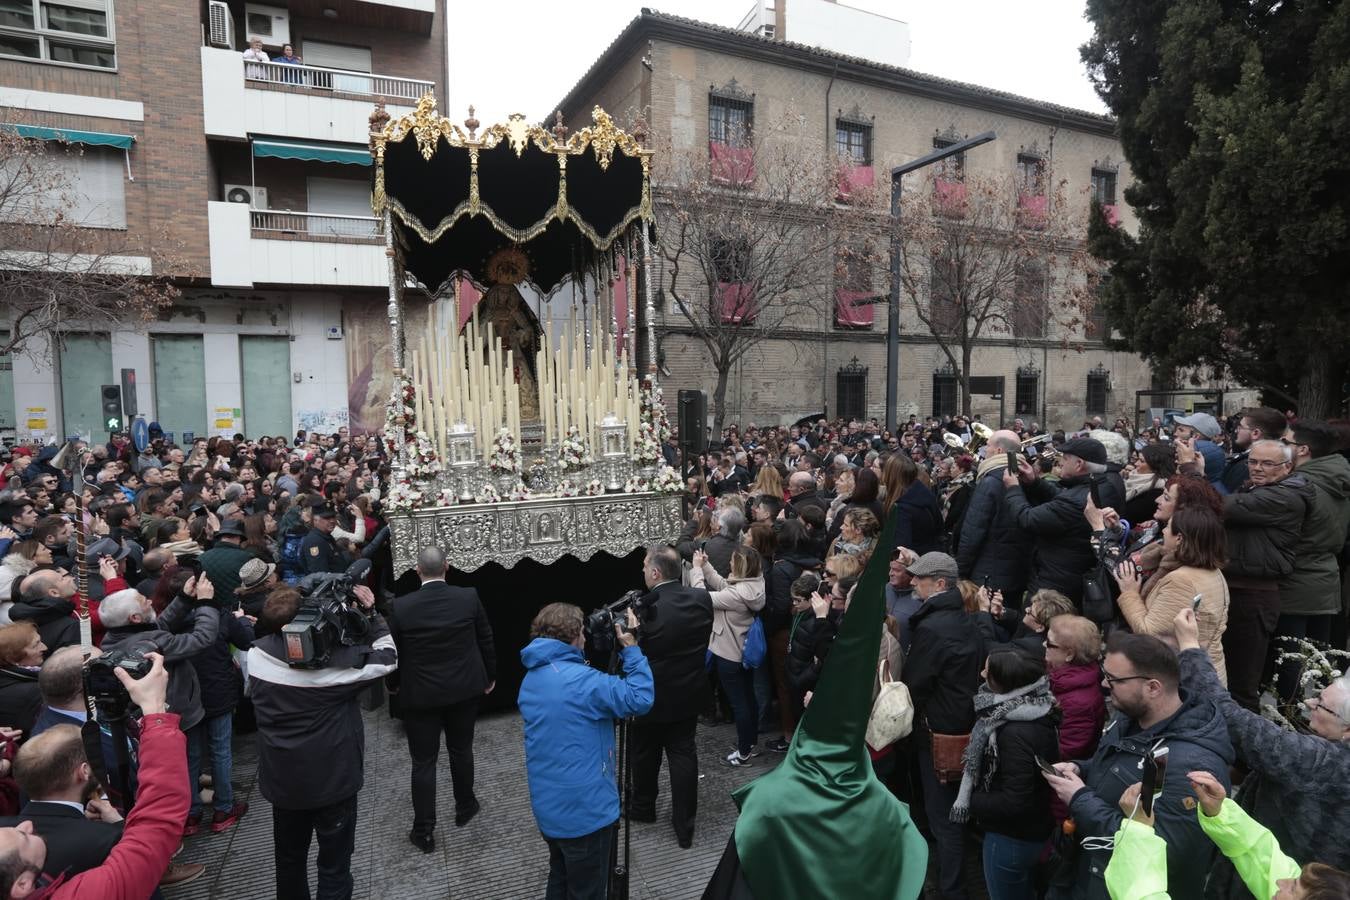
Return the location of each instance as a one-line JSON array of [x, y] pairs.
[[318, 551]]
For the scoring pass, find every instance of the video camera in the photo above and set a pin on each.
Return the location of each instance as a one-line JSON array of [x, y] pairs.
[[328, 617], [600, 624], [101, 686]]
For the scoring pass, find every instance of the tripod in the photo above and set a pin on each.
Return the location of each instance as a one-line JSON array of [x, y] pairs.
[[620, 869]]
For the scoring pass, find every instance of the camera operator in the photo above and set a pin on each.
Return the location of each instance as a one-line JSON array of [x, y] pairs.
[[152, 831], [568, 710], [311, 744], [133, 627], [676, 626]]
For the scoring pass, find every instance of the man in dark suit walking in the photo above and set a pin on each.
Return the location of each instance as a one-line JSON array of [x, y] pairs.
[[675, 627], [447, 662]]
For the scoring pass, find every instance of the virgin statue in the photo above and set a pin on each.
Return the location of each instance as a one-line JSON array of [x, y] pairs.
[[513, 323]]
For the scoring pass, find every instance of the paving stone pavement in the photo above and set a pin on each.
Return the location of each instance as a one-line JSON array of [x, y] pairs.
[[498, 855]]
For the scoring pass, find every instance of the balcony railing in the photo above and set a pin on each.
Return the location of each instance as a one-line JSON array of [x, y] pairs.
[[314, 226], [337, 80]]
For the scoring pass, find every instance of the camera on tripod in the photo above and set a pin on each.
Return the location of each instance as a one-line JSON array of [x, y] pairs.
[[600, 624], [329, 617], [101, 685]]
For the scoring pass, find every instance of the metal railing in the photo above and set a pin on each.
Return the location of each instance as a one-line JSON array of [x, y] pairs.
[[314, 225], [320, 79]]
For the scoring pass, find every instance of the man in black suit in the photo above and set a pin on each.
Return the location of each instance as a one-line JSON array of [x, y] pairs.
[[446, 663], [52, 770], [676, 626]]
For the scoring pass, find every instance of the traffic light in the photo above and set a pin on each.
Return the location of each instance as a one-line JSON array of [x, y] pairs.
[[112, 407]]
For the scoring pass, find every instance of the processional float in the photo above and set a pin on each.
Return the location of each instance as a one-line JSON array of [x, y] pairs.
[[514, 435]]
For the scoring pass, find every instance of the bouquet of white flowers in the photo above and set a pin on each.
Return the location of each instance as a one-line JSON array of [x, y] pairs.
[[505, 458], [487, 494], [573, 454], [667, 481], [648, 451]]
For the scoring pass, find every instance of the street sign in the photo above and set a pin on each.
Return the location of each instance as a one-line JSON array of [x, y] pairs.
[[140, 434]]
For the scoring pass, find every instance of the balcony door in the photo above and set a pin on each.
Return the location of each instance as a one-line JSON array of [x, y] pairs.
[[86, 365], [265, 363], [341, 56], [339, 197], [180, 383]]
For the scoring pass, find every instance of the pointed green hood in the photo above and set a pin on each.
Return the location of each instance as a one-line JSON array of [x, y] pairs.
[[821, 824]]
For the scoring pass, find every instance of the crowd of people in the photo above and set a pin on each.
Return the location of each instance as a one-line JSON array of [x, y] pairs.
[[1064, 610], [1061, 606]]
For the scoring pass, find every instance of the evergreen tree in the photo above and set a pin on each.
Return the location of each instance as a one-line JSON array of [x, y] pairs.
[[1232, 116]]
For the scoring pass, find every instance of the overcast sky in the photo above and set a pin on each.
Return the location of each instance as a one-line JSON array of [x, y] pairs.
[[524, 55]]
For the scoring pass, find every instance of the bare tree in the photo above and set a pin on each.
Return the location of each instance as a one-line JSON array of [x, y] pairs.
[[57, 273], [755, 240], [989, 256]]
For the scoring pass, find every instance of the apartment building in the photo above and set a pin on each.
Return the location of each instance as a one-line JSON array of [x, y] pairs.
[[255, 174], [841, 70]]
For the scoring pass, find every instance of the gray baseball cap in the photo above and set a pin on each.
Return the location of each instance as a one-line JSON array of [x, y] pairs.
[[1201, 422]]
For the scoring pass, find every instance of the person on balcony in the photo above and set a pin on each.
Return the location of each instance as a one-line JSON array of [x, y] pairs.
[[255, 54], [289, 58]]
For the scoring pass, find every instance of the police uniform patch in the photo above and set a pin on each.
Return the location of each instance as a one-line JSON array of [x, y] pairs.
[[1188, 803], [314, 551]]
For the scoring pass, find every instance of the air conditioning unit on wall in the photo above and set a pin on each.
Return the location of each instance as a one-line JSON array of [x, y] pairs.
[[255, 197], [221, 25], [270, 23]]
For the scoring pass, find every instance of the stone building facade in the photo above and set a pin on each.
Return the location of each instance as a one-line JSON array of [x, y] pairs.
[[669, 70]]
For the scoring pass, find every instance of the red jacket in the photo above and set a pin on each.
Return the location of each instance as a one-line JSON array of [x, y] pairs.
[[153, 830], [1078, 688]]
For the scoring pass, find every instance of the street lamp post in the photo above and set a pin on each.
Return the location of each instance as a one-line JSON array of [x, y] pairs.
[[893, 302]]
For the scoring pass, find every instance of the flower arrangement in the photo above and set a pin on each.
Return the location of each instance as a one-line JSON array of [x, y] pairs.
[[402, 495], [636, 484], [667, 481], [1317, 666], [570, 488], [487, 494], [654, 410], [648, 451], [447, 497], [505, 458], [421, 462], [520, 491], [573, 454]]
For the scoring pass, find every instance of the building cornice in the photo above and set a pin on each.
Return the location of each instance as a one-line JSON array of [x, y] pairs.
[[650, 26]]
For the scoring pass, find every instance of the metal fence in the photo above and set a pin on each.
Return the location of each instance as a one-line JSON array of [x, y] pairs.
[[321, 79], [315, 225]]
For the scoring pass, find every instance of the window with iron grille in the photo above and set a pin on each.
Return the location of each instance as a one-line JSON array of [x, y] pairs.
[[953, 168], [1098, 328], [1104, 187], [1098, 386], [75, 32], [946, 397], [730, 121], [851, 389], [1030, 175], [1030, 306], [1027, 401], [853, 142], [730, 259]]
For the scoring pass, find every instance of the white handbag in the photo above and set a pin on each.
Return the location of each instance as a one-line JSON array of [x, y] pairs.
[[892, 715]]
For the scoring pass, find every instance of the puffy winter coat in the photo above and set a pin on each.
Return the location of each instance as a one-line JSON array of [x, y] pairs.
[[1053, 514], [992, 545], [1264, 524], [735, 602], [199, 626], [1016, 801], [568, 710], [1197, 740], [1078, 688], [1313, 588]]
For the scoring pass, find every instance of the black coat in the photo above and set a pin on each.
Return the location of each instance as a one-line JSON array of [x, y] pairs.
[[807, 498], [719, 550], [837, 523], [52, 616], [1053, 515], [1263, 525], [808, 648], [445, 648], [221, 681], [1141, 507], [319, 553], [20, 699], [181, 632], [74, 844], [942, 671], [992, 545], [778, 587], [1017, 801], [918, 520], [675, 627]]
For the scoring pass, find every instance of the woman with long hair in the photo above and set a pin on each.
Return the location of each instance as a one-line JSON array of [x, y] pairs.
[[1154, 467], [767, 482], [864, 495], [912, 507], [256, 538], [735, 601]]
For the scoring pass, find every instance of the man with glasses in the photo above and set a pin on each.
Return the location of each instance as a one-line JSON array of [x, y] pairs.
[[1263, 520], [1143, 677], [1259, 423], [1310, 598]]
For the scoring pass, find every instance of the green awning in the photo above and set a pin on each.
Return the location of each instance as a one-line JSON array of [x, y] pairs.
[[332, 153], [70, 135]]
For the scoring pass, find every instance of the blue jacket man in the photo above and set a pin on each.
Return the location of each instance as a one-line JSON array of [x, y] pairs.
[[568, 709]]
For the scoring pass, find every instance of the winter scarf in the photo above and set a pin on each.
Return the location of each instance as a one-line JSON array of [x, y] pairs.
[[992, 462], [1139, 482], [993, 711]]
